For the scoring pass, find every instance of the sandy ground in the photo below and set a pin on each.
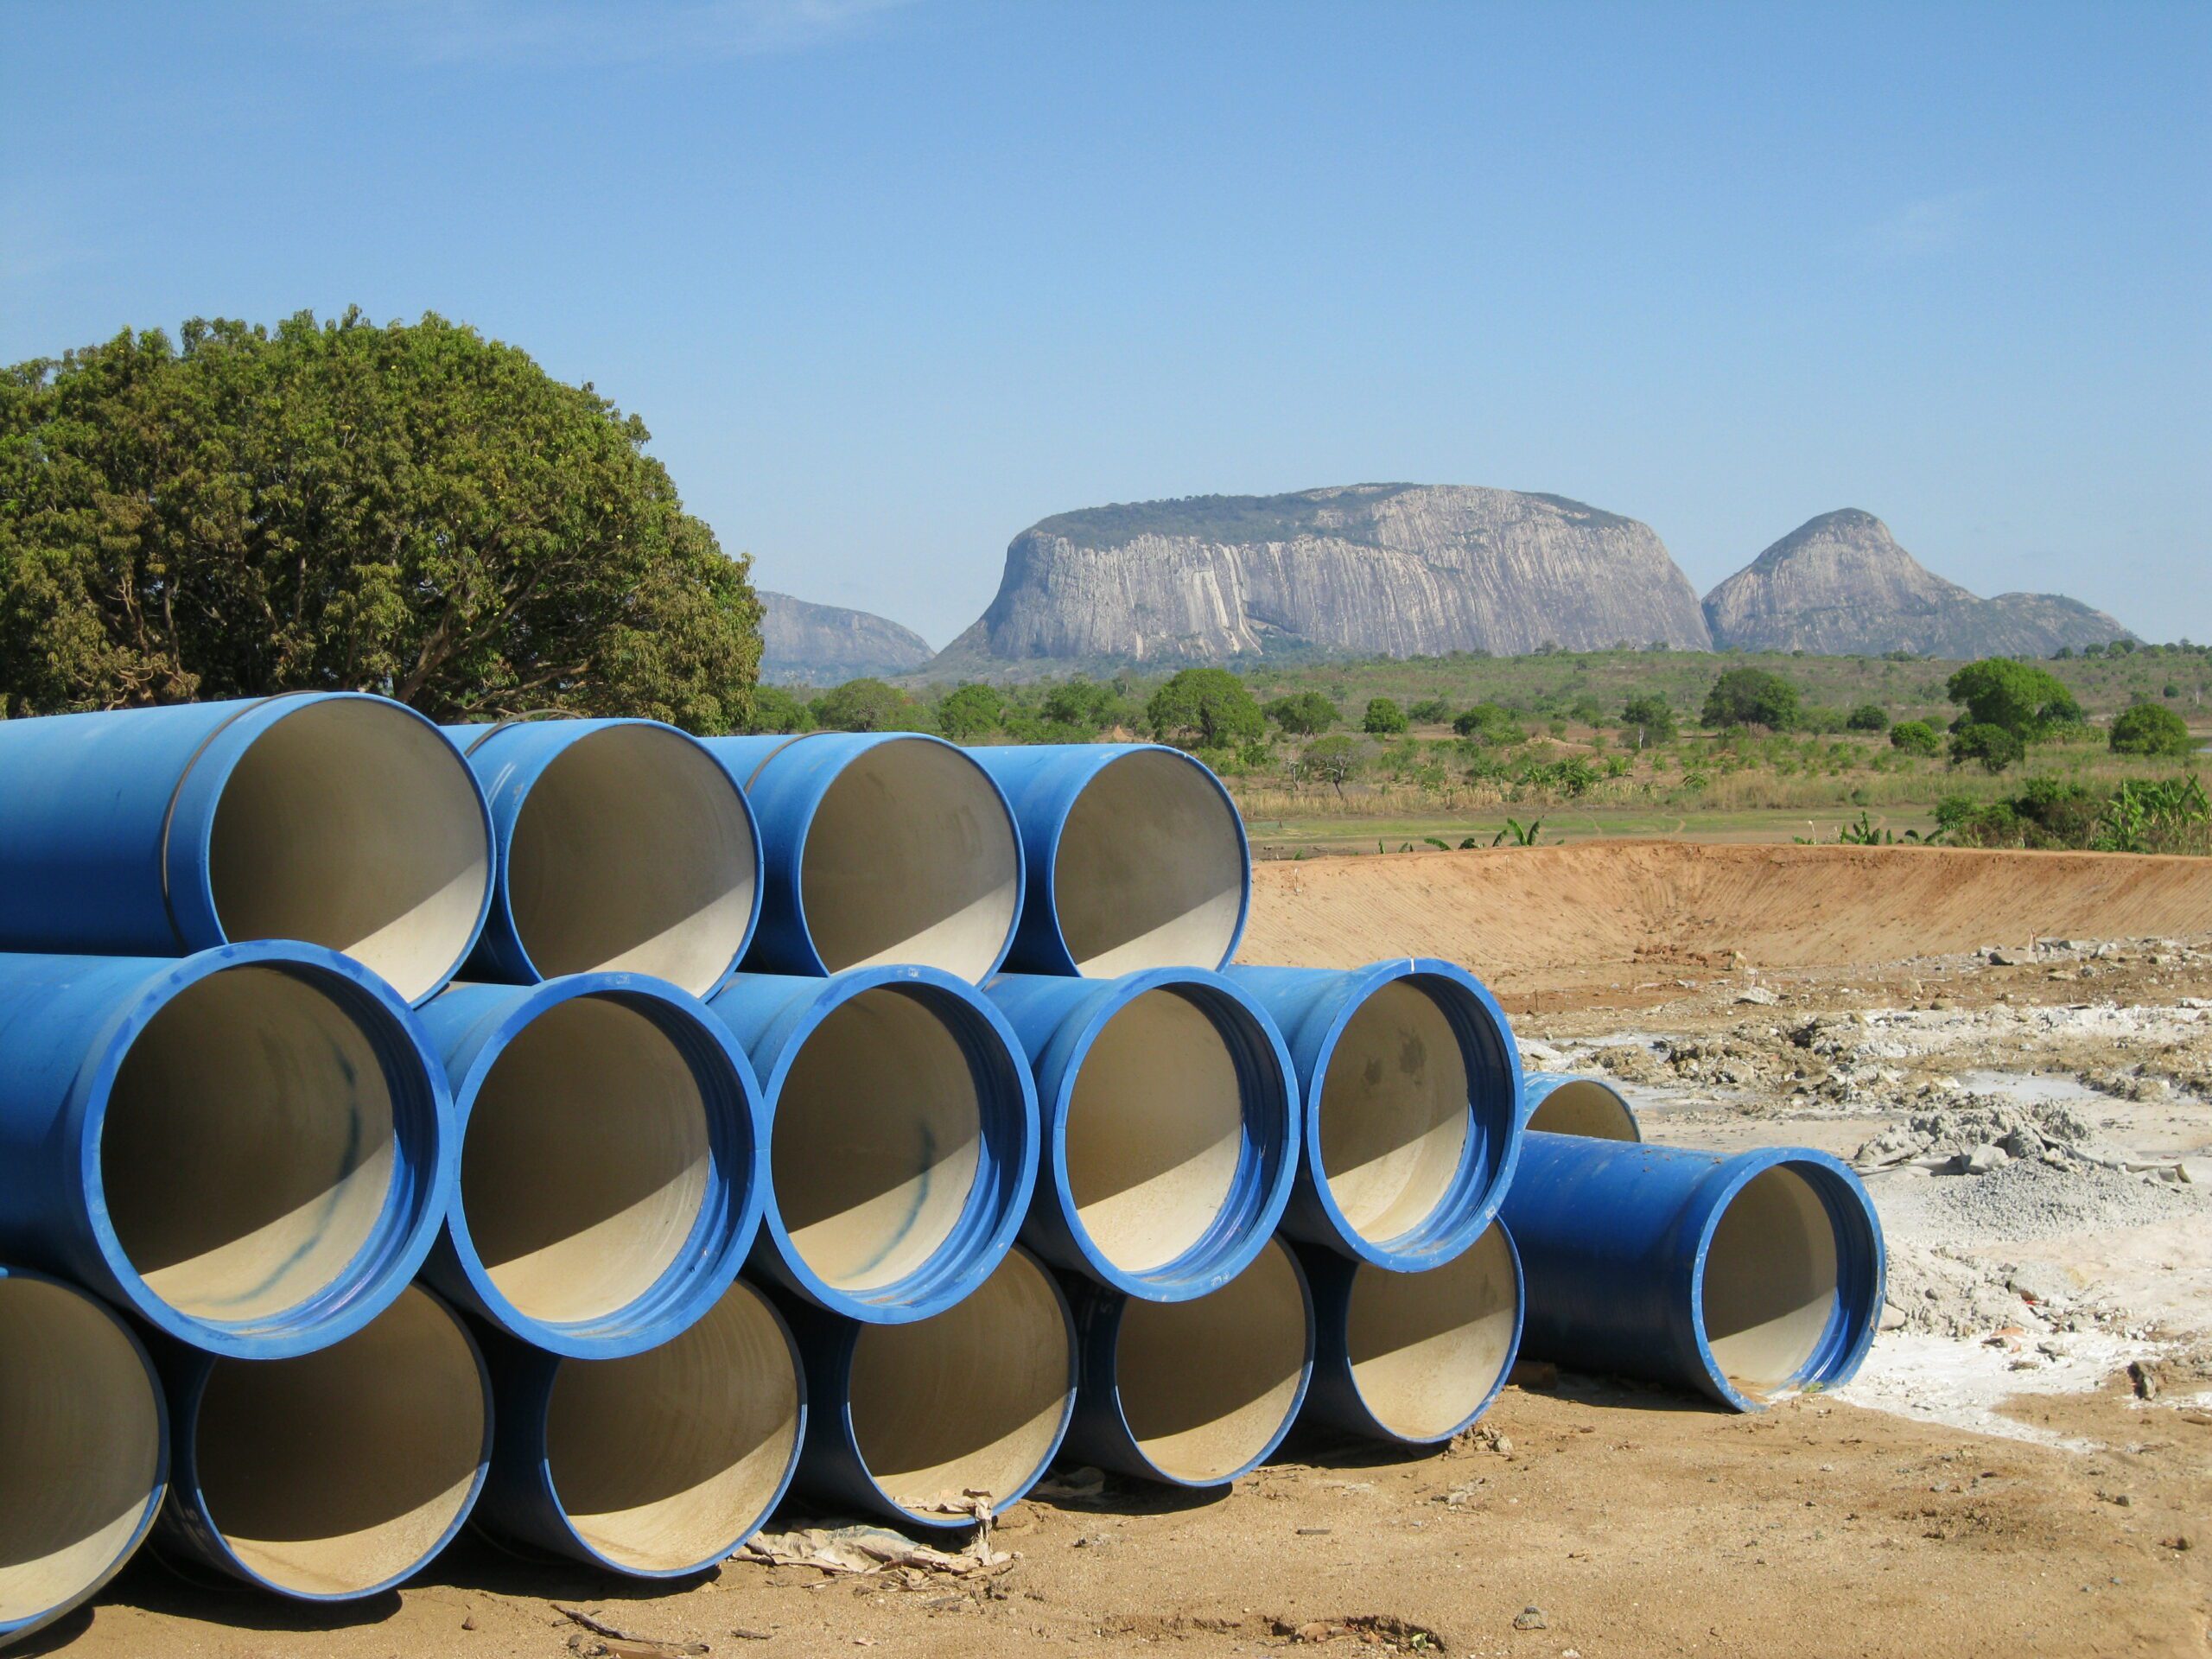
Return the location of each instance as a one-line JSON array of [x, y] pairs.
[[1993, 1483]]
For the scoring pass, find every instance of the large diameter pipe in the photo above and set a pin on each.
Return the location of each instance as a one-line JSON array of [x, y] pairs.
[[344, 820], [1196, 1393], [1412, 1086], [926, 1423], [613, 1159], [624, 847], [1747, 1279], [1559, 1102], [1171, 1118], [1413, 1358], [902, 1138], [654, 1465], [334, 1475], [1137, 858], [251, 1148], [882, 847], [84, 1449]]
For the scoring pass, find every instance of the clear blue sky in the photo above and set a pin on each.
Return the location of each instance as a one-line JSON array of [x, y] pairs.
[[891, 281]]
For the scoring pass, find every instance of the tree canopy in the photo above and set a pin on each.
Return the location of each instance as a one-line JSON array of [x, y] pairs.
[[1752, 696], [1651, 718], [411, 509], [1206, 708], [1305, 714], [2026, 701], [2151, 728]]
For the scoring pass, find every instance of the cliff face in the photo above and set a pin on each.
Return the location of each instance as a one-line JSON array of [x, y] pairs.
[[1841, 585], [1372, 569], [825, 644]]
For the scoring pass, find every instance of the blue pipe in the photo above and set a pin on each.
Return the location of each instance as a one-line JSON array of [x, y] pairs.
[[1413, 1357], [669, 917], [1155, 807], [476, 1027], [1316, 1007], [115, 840], [312, 1057], [1561, 1102], [1059, 1023], [980, 1131], [1194, 1394], [1631, 1273], [335, 1475], [647, 1456], [918, 862], [83, 1448], [975, 1398]]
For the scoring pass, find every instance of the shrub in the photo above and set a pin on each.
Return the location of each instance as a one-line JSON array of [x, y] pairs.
[[2150, 728], [1307, 714], [1205, 708], [1089, 707], [1331, 761], [1490, 724], [2023, 700], [1916, 737], [1384, 718], [1651, 719], [1431, 711], [1825, 721], [1993, 746], [1752, 696], [1869, 717], [2057, 814], [869, 705], [969, 711], [776, 709]]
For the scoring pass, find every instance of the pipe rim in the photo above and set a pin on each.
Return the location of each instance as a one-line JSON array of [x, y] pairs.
[[728, 1221], [11, 1629], [1267, 1162], [1537, 1088], [1492, 1150], [424, 1166], [1861, 1270], [1340, 1334], [1007, 1148], [1050, 860]]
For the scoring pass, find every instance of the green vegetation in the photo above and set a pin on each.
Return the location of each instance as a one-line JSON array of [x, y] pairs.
[[971, 711], [1916, 737], [1652, 720], [1384, 718], [2151, 728], [1305, 714], [1868, 717], [1752, 696], [867, 706], [2165, 815], [2017, 697], [1993, 746], [1204, 708]]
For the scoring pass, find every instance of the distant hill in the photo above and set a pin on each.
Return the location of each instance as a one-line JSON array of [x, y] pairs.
[[1367, 570], [1840, 584], [807, 643]]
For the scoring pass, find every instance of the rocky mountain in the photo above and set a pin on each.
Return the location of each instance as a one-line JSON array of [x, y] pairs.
[[1369, 569], [1841, 586], [825, 644]]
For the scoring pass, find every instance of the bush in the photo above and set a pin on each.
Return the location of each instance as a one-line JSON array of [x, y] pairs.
[[1823, 721], [1088, 707], [1303, 715], [1207, 708], [1750, 696], [971, 711], [1331, 761], [1916, 737], [2056, 814], [775, 708], [868, 705], [1968, 822], [1489, 723], [1651, 719], [1384, 718], [1993, 746], [2149, 728], [2025, 700], [1431, 711], [1869, 717]]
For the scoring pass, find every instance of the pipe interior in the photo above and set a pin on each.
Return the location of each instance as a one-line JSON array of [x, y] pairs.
[[333, 1473], [971, 1400], [1427, 1348], [1153, 1132], [1150, 870], [248, 1147], [586, 1162], [1770, 1281], [910, 858], [633, 854], [1394, 1112], [1588, 1107], [877, 1139], [80, 1443], [662, 1461], [1207, 1385], [351, 825]]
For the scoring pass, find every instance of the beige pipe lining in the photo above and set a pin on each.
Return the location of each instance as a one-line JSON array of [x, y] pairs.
[[350, 824], [631, 853], [1585, 1108], [1394, 1112], [1770, 1284], [1427, 1348], [663, 1460], [248, 1148], [1150, 868], [79, 1446]]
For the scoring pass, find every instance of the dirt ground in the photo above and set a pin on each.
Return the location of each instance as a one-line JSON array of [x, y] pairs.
[[1995, 1482]]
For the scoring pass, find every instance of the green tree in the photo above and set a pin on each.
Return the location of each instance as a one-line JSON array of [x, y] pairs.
[[971, 711], [1489, 723], [1994, 747], [868, 705], [1204, 708], [1089, 706], [2151, 728], [1331, 761], [2026, 701], [411, 509], [1750, 696], [1652, 720], [1431, 711], [1916, 737], [776, 709], [1305, 714], [1384, 718], [1869, 717]]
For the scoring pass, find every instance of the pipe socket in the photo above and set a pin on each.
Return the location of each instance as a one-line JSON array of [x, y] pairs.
[[1747, 1279], [883, 847], [1413, 1357], [614, 1160], [624, 847], [1412, 1085], [84, 1449], [902, 1138], [1194, 1392], [930, 1423], [1170, 1116], [337, 1474], [1556, 1102], [1136, 855], [251, 1148], [656, 1465]]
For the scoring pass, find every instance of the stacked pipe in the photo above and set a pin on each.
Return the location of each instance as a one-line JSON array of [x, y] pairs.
[[621, 1128]]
